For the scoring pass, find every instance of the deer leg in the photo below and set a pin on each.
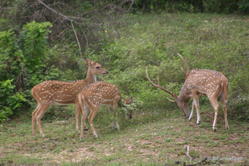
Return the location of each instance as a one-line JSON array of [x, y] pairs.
[[110, 110], [192, 110], [215, 105], [224, 102], [39, 116], [77, 116], [80, 108], [91, 118], [225, 116], [34, 114], [197, 107], [114, 107], [116, 121], [86, 111], [130, 113], [83, 121]]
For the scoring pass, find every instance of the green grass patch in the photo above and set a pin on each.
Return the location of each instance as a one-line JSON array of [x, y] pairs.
[[158, 142]]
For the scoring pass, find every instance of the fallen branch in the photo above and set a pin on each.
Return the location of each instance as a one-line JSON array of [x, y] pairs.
[[54, 11]]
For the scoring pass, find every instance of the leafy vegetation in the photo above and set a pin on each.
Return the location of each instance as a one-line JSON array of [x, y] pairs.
[[22, 61], [218, 6]]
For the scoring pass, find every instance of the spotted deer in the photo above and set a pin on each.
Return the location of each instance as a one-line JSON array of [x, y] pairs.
[[59, 92], [92, 97], [199, 82]]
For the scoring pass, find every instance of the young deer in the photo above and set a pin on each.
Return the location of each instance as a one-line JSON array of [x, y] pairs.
[[92, 97], [211, 83], [60, 92]]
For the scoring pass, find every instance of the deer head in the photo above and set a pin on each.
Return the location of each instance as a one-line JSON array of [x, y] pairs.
[[95, 68], [128, 100], [182, 105]]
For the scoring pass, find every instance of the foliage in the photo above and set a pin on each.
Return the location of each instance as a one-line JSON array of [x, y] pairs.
[[9, 66], [218, 6], [34, 44], [10, 100], [244, 6], [6, 89], [10, 55], [22, 61]]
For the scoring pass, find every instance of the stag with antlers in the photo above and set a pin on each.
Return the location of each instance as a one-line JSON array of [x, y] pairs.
[[59, 92], [198, 82], [92, 97]]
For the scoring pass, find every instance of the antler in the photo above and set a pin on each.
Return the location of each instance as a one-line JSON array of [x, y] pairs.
[[160, 87], [185, 64]]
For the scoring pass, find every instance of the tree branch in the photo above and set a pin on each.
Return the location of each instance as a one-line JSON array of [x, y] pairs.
[[77, 39], [70, 19], [54, 11]]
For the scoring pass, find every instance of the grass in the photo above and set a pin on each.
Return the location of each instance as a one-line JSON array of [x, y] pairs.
[[148, 143]]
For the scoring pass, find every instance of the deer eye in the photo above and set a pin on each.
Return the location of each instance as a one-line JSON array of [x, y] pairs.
[[98, 67]]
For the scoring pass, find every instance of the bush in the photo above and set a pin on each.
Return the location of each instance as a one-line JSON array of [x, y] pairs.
[[10, 100], [213, 6], [244, 6], [34, 44], [22, 62]]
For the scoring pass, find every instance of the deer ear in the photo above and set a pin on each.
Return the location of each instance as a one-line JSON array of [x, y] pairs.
[[88, 61]]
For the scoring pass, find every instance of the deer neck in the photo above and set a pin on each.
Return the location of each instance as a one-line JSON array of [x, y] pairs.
[[183, 96], [90, 78]]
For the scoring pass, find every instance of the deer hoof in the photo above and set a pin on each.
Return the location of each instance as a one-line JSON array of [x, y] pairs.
[[95, 135], [198, 123], [214, 129], [116, 126]]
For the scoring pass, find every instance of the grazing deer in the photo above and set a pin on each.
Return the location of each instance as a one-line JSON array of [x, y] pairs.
[[211, 83], [92, 97], [60, 92]]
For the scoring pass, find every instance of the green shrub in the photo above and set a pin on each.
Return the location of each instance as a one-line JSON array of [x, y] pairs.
[[22, 65], [244, 6], [34, 44], [10, 100], [213, 6]]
